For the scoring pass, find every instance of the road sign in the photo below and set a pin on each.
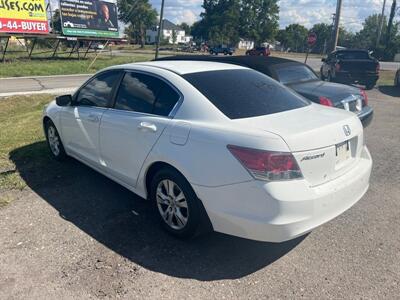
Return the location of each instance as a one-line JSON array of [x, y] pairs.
[[311, 39]]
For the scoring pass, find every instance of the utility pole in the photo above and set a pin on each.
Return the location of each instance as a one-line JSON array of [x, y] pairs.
[[378, 39], [337, 23], [160, 28]]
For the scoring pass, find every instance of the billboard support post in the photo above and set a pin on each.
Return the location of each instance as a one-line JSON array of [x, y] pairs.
[[56, 48], [3, 54], [88, 49], [33, 46]]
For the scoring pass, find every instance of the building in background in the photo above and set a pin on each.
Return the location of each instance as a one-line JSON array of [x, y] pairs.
[[170, 32], [245, 44]]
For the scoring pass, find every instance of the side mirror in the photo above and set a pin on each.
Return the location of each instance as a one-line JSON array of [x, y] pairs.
[[64, 100]]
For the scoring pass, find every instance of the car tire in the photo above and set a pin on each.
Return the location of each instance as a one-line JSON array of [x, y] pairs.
[[176, 204], [330, 78], [211, 52], [323, 78], [397, 79], [54, 142], [225, 53]]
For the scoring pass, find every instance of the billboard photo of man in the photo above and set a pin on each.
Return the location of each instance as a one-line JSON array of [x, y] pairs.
[[107, 15]]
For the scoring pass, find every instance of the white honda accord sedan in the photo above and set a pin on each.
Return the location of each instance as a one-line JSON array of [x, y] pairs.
[[205, 139]]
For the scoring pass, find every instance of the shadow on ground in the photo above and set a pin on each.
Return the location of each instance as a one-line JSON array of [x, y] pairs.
[[390, 90], [126, 224]]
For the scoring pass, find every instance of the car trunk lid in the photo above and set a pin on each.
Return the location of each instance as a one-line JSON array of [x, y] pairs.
[[326, 142]]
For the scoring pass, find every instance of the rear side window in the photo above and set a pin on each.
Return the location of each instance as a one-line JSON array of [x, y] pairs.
[[352, 55], [245, 93], [147, 94], [98, 92], [166, 100], [137, 92]]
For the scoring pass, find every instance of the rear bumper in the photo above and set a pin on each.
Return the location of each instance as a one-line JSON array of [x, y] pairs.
[[280, 211], [366, 116], [363, 77]]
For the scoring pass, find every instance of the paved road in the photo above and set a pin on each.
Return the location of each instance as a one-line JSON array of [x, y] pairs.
[[80, 236], [41, 84]]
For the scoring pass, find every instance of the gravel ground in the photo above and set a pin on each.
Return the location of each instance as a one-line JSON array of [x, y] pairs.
[[80, 235]]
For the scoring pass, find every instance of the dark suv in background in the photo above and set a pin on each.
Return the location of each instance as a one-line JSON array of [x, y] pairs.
[[351, 66], [259, 51], [222, 49]]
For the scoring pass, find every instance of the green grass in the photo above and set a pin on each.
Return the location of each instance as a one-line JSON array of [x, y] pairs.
[[63, 66], [386, 78], [20, 119]]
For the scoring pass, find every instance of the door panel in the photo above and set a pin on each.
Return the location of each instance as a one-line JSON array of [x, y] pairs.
[[126, 138], [80, 131]]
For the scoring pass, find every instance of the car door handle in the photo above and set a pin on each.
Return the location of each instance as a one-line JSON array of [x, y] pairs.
[[93, 118], [147, 126]]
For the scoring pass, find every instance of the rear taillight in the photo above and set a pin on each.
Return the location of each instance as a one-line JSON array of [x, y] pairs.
[[337, 67], [267, 165], [325, 101], [365, 96]]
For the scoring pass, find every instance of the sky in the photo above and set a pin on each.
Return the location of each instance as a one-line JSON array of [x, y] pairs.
[[304, 12]]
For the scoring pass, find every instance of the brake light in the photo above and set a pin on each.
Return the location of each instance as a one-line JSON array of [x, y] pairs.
[[267, 165], [325, 101], [337, 67], [365, 96]]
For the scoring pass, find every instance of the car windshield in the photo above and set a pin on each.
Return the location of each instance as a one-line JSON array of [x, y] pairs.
[[295, 73], [352, 55], [244, 93]]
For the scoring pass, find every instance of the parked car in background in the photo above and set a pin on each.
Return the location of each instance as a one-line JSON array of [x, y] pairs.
[[252, 166], [302, 79], [221, 49], [259, 51], [351, 66], [397, 79]]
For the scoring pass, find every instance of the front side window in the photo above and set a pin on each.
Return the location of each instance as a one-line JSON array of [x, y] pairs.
[[294, 73], [98, 92], [244, 93]]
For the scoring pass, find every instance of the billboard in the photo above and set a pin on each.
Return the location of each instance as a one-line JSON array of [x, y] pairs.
[[23, 16], [91, 18]]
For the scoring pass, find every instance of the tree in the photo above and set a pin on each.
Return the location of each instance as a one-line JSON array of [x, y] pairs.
[[294, 37], [259, 20], [140, 15], [186, 27], [225, 21], [174, 37]]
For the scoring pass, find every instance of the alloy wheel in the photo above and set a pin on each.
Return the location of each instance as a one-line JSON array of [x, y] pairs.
[[54, 140], [172, 204]]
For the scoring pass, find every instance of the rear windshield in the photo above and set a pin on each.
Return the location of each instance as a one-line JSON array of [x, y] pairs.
[[244, 93], [352, 55], [294, 73]]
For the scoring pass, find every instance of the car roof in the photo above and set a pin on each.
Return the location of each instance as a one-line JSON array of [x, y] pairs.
[[260, 63], [185, 67]]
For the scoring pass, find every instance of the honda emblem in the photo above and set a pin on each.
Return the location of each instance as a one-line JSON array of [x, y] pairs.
[[347, 130]]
